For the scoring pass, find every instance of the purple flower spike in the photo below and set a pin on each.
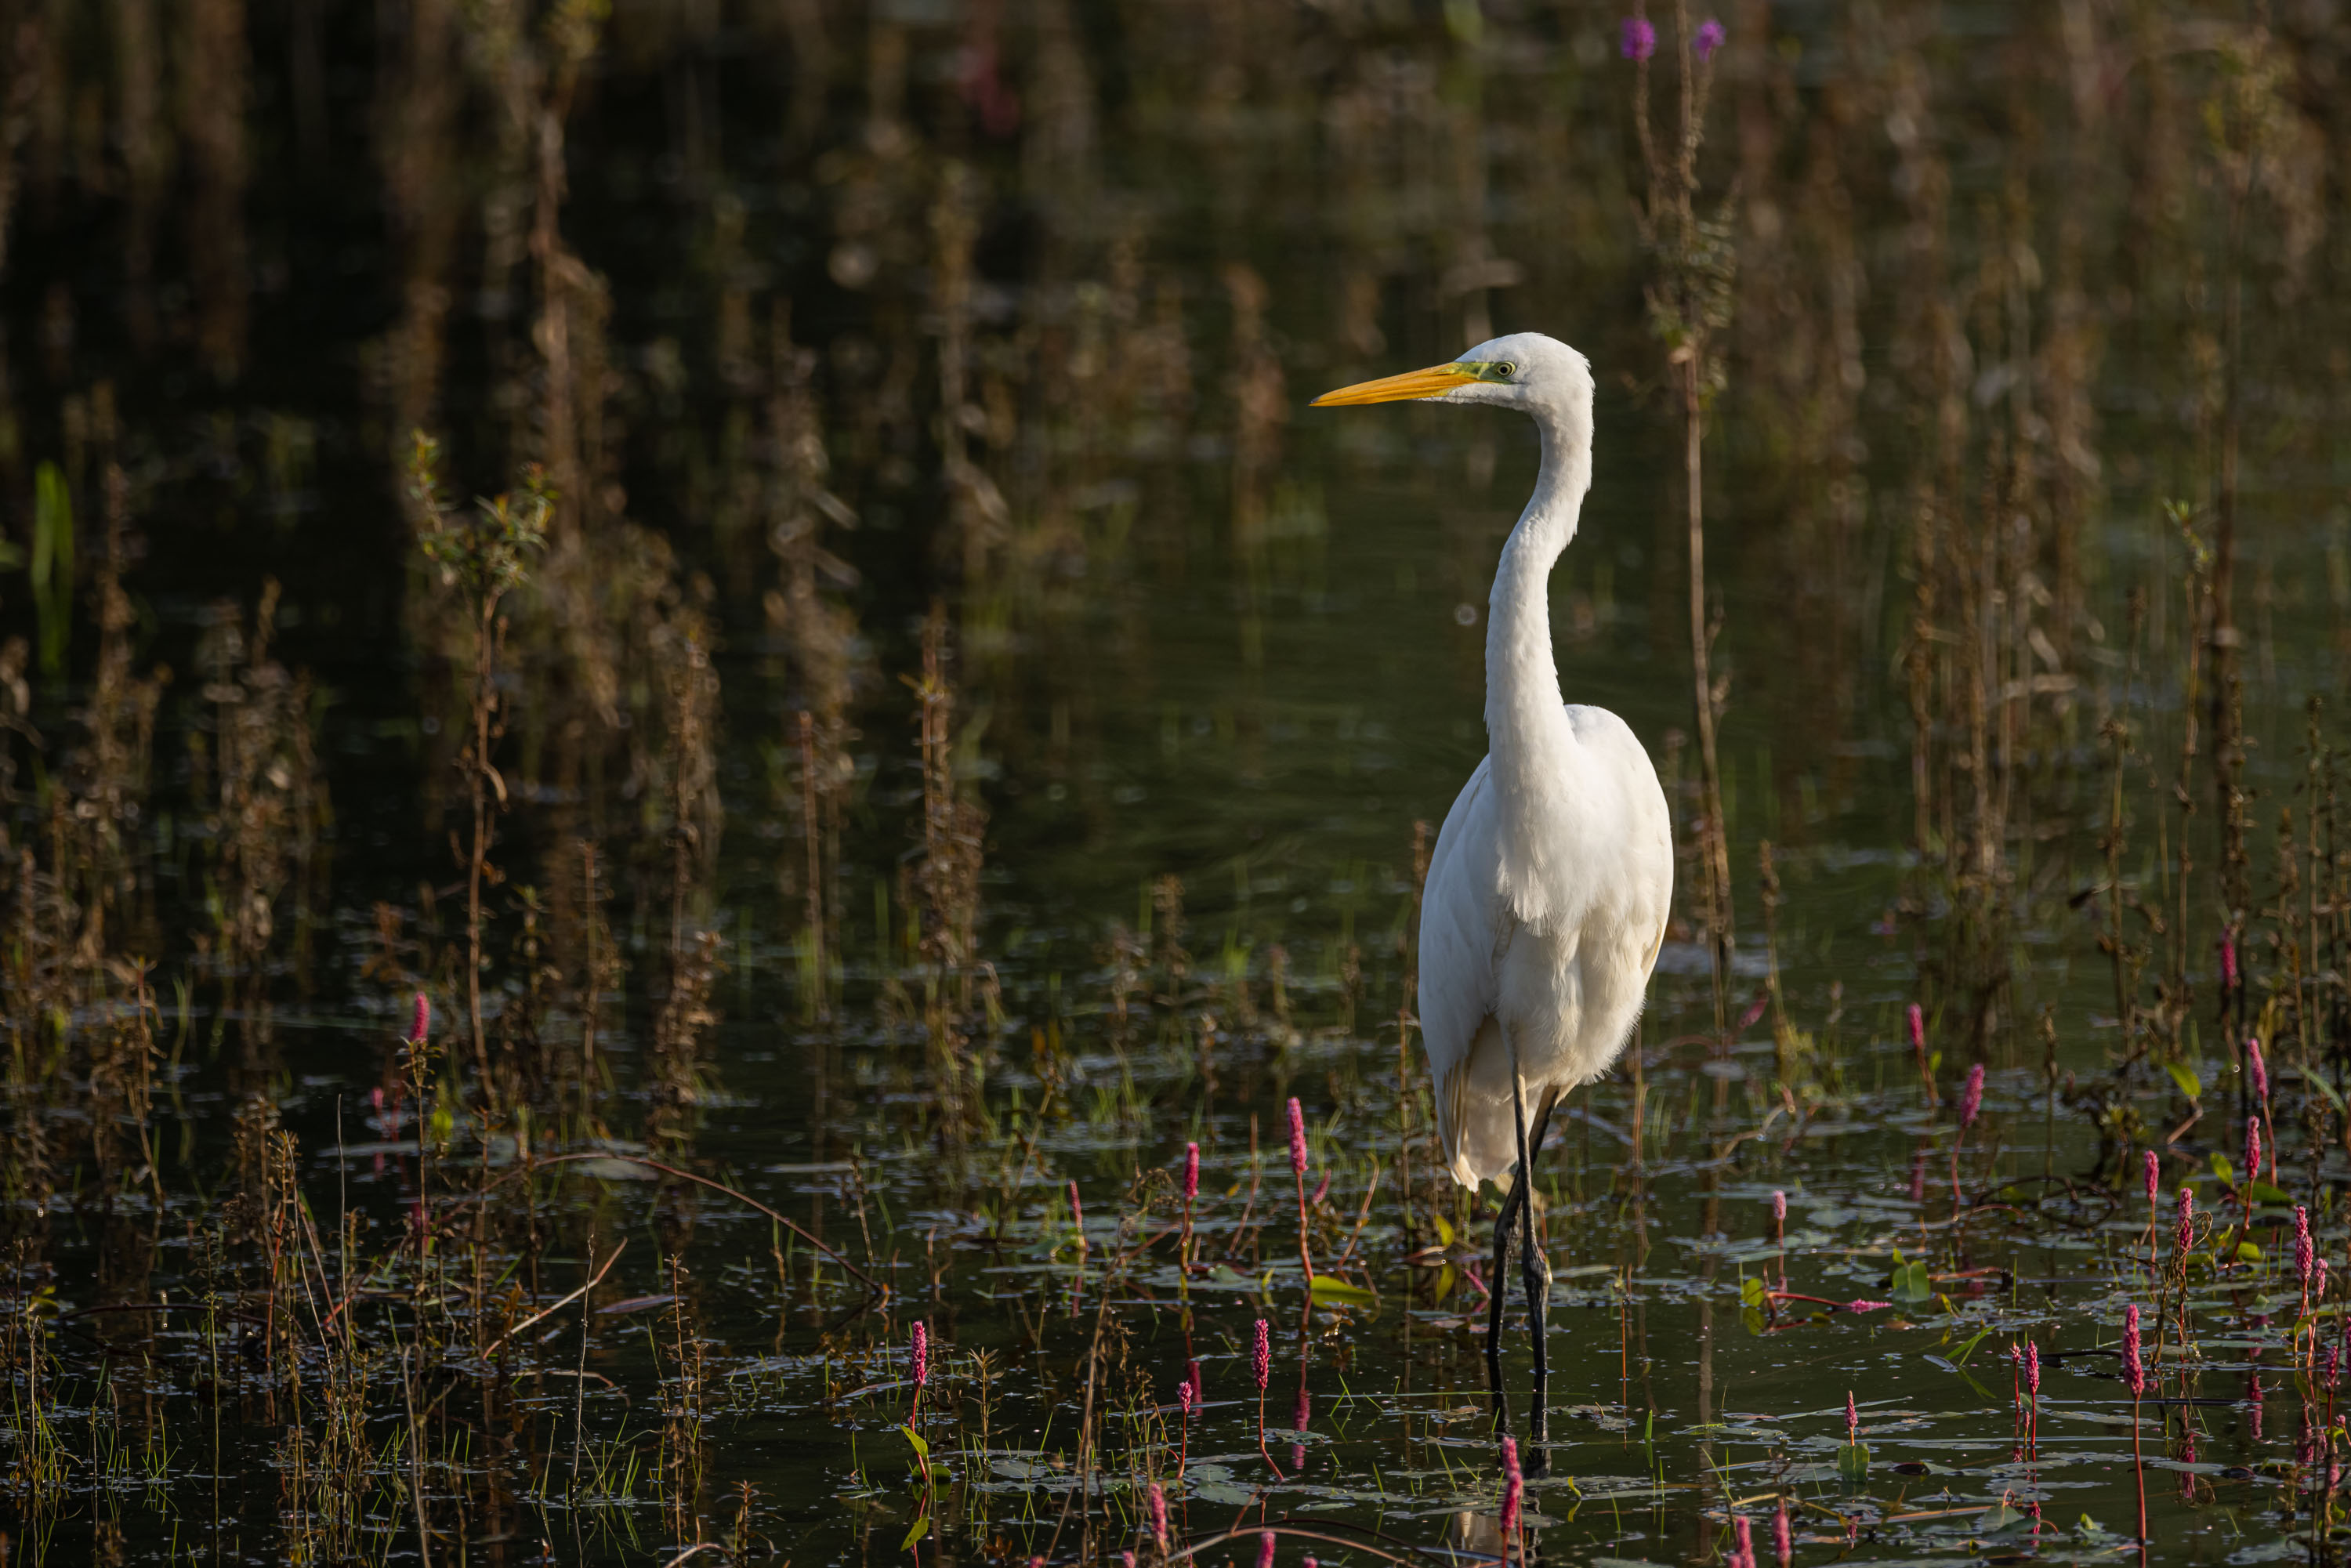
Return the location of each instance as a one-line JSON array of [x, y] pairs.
[[2033, 1369], [1297, 1139], [1865, 1306], [1852, 1420], [420, 1021], [1746, 1530], [1640, 39], [1710, 36], [1159, 1517], [2228, 964], [2153, 1177], [2258, 1068], [1514, 1490], [1783, 1538], [2134, 1369], [1264, 1359], [921, 1355], [1916, 1018], [2184, 1236], [1191, 1172], [2306, 1254], [1972, 1099], [1185, 1396], [2253, 1147], [1778, 1208], [1265, 1549], [1126, 1560]]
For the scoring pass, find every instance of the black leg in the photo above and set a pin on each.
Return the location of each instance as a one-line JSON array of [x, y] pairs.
[[1499, 1291], [1534, 1280]]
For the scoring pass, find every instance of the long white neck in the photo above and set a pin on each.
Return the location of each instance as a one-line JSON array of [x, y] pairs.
[[1532, 746]]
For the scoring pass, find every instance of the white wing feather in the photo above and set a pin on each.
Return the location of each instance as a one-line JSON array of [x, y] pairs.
[[1568, 991]]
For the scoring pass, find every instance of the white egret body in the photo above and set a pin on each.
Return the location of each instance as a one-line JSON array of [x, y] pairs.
[[1551, 881]]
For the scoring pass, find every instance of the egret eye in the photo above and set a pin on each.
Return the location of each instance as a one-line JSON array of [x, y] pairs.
[[1505, 371]]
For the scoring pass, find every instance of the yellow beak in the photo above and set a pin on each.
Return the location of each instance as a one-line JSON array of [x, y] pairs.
[[1431, 383]]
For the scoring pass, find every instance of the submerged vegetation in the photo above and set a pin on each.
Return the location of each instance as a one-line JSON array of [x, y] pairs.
[[749, 994]]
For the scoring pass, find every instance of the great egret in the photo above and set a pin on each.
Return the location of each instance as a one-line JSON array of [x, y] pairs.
[[1552, 879]]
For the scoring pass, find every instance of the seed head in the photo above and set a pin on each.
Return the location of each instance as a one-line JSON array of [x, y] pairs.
[[1159, 1517], [1971, 1098], [1514, 1489], [421, 1020], [1710, 36], [1191, 1172], [920, 1354], [2153, 1177], [1639, 40], [1297, 1139], [1264, 1365], [2257, 1068], [2134, 1369]]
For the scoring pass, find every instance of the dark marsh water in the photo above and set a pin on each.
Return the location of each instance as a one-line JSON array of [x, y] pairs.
[[841, 329]]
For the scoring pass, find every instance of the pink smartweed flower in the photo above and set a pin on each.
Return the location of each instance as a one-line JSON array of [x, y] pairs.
[[1971, 1098], [1158, 1504], [2228, 964], [2305, 1255], [1036, 1563], [1514, 1490], [1265, 1549], [2318, 1281], [2153, 1177], [919, 1354], [1297, 1139], [1710, 36], [1779, 1212], [1126, 1560], [1184, 1394], [1191, 1172], [1264, 1361], [2252, 1146], [1746, 1530], [1639, 40], [2257, 1068], [2330, 1365], [421, 1020], [1868, 1306], [1321, 1191], [1852, 1420], [2033, 1369], [2134, 1369], [1783, 1538], [2184, 1234], [1917, 1020]]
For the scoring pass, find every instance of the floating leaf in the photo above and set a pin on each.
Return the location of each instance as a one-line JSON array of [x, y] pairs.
[[1330, 1287], [1750, 1291]]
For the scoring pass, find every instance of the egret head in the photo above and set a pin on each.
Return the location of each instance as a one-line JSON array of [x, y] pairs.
[[1525, 371]]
